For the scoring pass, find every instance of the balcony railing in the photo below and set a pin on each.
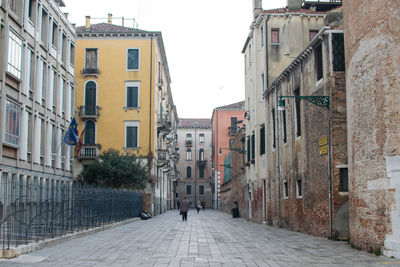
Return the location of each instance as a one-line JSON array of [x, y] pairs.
[[89, 152], [188, 142], [89, 112], [90, 71], [202, 163], [322, 1]]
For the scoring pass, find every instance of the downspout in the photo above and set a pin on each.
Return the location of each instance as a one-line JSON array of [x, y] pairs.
[[151, 89], [266, 51], [277, 155]]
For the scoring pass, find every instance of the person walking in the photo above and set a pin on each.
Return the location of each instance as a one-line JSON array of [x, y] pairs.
[[178, 203], [198, 206], [185, 204]]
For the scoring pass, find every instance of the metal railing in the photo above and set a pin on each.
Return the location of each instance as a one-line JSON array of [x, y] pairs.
[[89, 112], [37, 210]]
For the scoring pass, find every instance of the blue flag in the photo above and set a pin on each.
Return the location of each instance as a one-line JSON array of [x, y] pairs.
[[71, 137]]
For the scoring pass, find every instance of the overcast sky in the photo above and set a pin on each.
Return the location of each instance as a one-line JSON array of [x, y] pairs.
[[203, 41]]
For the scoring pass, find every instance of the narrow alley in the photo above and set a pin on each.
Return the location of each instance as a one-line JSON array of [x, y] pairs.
[[210, 238]]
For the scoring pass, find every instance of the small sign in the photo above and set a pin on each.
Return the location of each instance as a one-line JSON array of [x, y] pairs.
[[323, 141], [323, 150]]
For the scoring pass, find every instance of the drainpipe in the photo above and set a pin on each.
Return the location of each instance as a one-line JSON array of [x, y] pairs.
[[266, 51], [277, 154], [151, 89]]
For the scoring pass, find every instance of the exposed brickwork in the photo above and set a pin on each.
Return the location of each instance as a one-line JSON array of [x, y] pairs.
[[234, 189], [300, 157], [372, 42]]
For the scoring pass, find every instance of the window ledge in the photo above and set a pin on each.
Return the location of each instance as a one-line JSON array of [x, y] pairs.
[[131, 148], [299, 197], [343, 193], [276, 44], [132, 108]]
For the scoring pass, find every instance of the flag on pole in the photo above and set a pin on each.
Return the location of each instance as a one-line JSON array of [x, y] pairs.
[[80, 142], [71, 136]]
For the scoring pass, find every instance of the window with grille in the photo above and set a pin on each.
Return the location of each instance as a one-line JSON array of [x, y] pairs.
[[132, 134], [338, 52], [12, 124], [201, 189], [132, 95], [188, 190], [188, 172], [262, 140], [133, 59]]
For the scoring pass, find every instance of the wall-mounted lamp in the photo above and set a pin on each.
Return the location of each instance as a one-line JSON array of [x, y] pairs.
[[321, 101], [240, 150]]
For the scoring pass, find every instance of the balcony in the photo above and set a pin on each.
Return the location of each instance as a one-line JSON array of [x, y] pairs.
[[90, 72], [89, 112], [163, 123], [89, 152], [161, 157], [188, 143], [202, 163]]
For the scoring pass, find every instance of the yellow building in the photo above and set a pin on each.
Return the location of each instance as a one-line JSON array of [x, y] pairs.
[[124, 98]]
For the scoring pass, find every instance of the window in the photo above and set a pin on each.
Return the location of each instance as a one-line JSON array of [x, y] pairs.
[[262, 36], [273, 128], [132, 134], [262, 139], [64, 42], [201, 171], [44, 28], [274, 36], [297, 112], [44, 79], [284, 132], [338, 52], [72, 54], [32, 10], [54, 38], [318, 62], [250, 55], [253, 147], [344, 180], [90, 98], [188, 190], [14, 55], [188, 172], [233, 128], [132, 59], [132, 95], [188, 137], [12, 127], [201, 154], [201, 189], [248, 149], [201, 138], [285, 189], [90, 133], [54, 88], [188, 154], [312, 34], [91, 60], [12, 4], [262, 85], [299, 189], [30, 67], [29, 137]]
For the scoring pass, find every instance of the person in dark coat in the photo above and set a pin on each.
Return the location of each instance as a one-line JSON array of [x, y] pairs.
[[185, 205], [178, 203]]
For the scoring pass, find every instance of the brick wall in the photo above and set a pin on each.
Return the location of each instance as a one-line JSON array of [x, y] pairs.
[[372, 38]]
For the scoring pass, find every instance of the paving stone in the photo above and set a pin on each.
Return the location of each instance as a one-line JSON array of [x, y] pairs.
[[210, 238]]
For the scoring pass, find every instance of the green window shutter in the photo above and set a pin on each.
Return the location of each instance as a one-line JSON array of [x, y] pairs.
[[131, 136], [132, 97]]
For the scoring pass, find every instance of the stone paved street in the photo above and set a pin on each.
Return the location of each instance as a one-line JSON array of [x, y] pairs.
[[210, 238]]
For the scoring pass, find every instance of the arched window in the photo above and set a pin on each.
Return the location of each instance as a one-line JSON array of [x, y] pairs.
[[90, 133], [188, 172], [90, 98], [201, 138], [201, 154]]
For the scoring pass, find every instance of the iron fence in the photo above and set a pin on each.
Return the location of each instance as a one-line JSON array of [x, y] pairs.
[[35, 210]]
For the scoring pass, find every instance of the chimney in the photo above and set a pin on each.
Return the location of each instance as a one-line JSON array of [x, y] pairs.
[[87, 23], [257, 8], [109, 18], [294, 4]]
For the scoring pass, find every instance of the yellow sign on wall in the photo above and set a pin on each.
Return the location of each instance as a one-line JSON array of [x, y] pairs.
[[323, 141]]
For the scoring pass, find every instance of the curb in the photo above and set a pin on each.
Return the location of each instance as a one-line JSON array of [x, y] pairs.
[[23, 249]]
